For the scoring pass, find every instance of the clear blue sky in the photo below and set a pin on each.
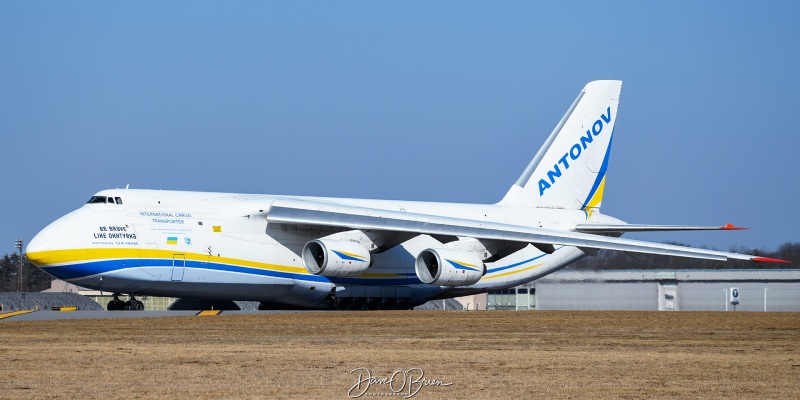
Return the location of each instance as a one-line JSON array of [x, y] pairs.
[[444, 101]]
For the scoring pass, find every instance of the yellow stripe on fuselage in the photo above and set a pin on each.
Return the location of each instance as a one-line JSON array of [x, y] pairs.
[[63, 257], [55, 258], [224, 260]]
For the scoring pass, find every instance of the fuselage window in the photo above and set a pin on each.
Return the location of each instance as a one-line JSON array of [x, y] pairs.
[[119, 200]]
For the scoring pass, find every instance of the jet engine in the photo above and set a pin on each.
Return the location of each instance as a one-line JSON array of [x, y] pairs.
[[446, 267], [335, 258]]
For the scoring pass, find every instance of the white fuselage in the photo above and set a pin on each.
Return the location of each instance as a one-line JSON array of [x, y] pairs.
[[221, 246]]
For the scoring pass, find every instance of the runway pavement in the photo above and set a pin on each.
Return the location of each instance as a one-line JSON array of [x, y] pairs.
[[59, 315]]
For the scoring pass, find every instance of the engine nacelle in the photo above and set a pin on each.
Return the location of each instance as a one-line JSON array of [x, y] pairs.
[[446, 267], [335, 258]]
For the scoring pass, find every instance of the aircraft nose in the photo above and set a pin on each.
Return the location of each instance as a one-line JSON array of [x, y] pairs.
[[65, 235], [37, 248]]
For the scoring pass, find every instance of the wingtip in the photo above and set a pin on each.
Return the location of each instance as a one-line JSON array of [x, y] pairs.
[[770, 260], [731, 227]]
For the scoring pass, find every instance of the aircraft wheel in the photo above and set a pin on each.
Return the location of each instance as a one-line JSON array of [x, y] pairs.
[[139, 306], [115, 305]]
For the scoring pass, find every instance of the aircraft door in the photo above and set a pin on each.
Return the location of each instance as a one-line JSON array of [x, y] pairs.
[[178, 265]]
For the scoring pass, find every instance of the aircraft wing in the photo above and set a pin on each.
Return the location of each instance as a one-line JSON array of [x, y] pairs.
[[308, 212]]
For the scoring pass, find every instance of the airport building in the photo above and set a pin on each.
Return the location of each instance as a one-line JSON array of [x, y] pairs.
[[651, 290]]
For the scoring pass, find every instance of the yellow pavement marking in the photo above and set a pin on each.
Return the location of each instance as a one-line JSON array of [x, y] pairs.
[[205, 313], [14, 313]]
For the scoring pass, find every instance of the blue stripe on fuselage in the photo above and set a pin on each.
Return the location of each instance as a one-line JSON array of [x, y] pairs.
[[81, 270]]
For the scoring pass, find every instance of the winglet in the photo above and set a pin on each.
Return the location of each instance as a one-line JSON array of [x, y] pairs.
[[771, 260], [730, 227]]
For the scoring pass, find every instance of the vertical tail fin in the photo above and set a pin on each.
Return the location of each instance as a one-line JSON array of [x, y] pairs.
[[569, 170]]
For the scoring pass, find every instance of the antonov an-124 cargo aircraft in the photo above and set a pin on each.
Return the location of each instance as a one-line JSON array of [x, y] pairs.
[[332, 253]]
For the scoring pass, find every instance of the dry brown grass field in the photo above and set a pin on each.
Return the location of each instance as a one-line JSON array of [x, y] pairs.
[[485, 355]]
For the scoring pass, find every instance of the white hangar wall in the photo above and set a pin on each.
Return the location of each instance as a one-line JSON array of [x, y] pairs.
[[674, 290]]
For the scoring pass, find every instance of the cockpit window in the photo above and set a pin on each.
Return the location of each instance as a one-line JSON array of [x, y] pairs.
[[96, 200], [104, 200]]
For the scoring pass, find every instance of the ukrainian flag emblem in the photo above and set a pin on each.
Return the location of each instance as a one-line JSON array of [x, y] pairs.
[[172, 240]]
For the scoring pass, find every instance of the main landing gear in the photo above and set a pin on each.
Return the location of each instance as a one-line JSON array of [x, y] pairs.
[[117, 305]]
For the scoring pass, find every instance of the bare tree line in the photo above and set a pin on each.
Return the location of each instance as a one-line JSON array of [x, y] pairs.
[[33, 278]]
